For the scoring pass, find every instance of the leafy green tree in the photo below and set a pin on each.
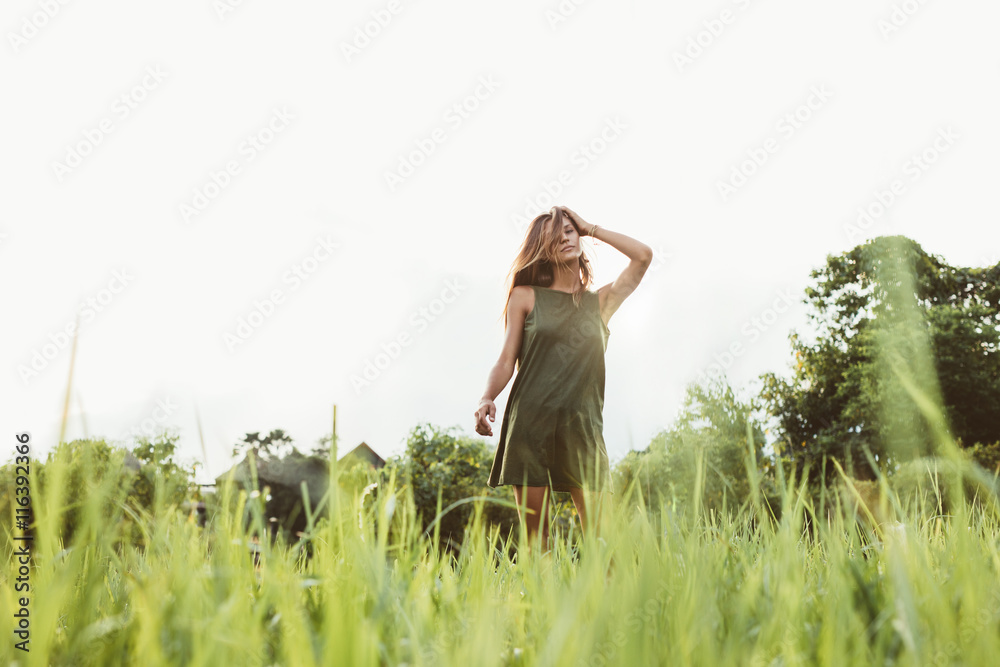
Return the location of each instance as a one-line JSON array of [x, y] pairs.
[[835, 402]]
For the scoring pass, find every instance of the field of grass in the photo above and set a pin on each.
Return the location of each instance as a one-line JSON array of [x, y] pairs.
[[659, 587]]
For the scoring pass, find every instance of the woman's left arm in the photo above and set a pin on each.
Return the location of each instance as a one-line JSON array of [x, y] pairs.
[[640, 254]]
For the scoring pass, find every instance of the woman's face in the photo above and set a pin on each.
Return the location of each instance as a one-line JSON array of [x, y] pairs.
[[569, 247]]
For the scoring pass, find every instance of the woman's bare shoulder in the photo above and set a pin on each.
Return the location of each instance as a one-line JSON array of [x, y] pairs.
[[523, 298]]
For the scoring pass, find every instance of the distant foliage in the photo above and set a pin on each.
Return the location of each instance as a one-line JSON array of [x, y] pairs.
[[161, 472], [149, 481], [274, 445], [460, 467], [987, 456], [710, 432]]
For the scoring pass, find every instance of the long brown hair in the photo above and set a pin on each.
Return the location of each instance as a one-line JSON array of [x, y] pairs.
[[539, 256]]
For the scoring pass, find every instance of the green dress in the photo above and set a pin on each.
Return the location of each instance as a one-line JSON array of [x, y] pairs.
[[552, 429]]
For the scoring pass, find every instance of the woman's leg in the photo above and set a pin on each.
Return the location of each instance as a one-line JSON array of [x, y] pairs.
[[536, 499]]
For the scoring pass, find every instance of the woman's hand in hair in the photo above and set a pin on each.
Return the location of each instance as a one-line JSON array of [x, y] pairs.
[[486, 407], [582, 226]]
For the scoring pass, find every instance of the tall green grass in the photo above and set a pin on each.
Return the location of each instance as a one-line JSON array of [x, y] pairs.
[[664, 587]]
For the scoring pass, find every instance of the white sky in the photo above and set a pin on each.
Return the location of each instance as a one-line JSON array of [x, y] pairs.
[[675, 132]]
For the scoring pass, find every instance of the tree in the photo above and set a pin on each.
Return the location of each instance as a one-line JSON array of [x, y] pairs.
[[879, 307], [272, 446]]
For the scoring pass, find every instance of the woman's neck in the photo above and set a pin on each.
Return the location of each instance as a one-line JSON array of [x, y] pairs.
[[567, 281]]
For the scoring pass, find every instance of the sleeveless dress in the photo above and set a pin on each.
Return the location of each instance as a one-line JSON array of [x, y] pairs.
[[552, 433]]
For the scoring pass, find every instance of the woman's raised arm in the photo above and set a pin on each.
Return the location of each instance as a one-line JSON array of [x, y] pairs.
[[641, 256]]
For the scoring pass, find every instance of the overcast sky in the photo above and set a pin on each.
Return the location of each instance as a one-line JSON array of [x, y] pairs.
[[247, 203]]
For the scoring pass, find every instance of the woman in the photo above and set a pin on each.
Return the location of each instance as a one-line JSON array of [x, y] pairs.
[[551, 437]]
